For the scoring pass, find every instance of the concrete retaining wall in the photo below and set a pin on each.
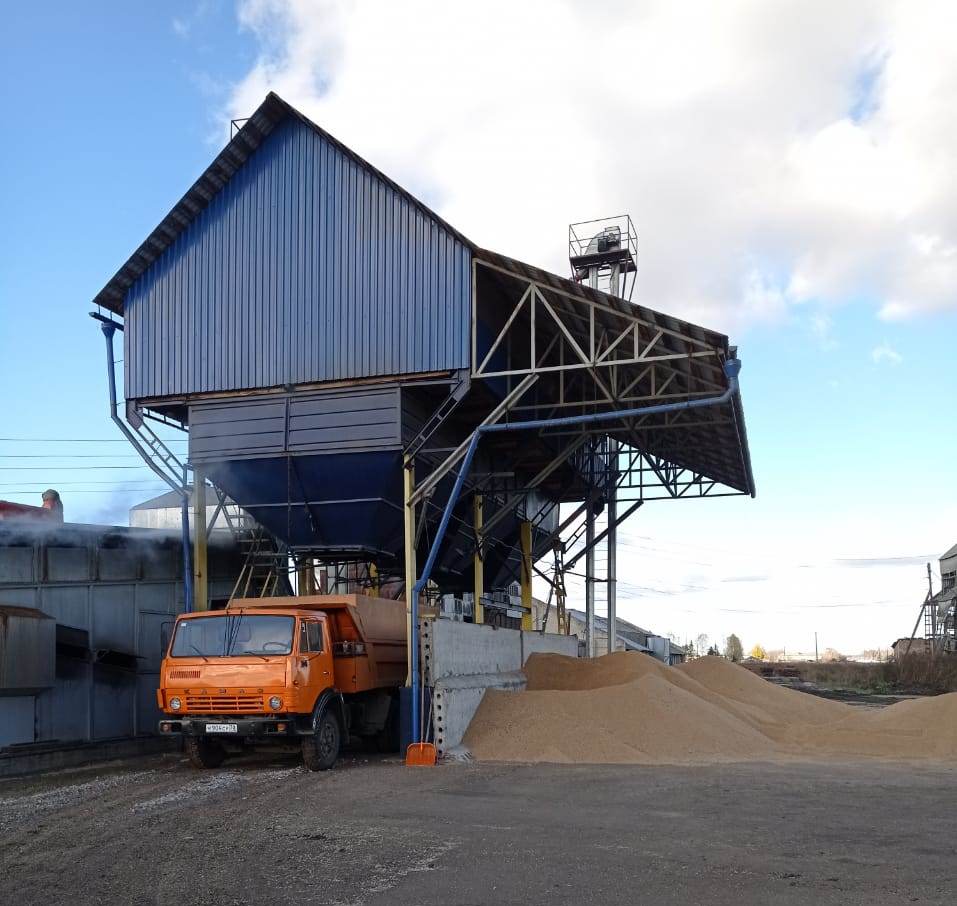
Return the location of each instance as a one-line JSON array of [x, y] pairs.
[[462, 660]]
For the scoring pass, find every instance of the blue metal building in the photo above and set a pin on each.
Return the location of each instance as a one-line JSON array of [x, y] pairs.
[[337, 351]]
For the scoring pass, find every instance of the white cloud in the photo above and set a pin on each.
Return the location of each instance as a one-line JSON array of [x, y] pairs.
[[770, 154], [886, 353]]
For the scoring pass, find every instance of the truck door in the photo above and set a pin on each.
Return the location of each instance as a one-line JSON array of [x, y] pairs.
[[314, 662]]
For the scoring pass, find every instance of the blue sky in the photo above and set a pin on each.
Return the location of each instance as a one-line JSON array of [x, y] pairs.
[[846, 338]]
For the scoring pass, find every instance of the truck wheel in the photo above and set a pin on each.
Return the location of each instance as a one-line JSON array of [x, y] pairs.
[[203, 752], [320, 751]]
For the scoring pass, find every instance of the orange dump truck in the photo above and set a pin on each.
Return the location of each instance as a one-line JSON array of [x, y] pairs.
[[306, 671]]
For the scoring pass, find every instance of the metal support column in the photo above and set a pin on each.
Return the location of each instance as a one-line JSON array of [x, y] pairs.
[[526, 539], [590, 577], [478, 566], [200, 573], [306, 577], [408, 486], [612, 546]]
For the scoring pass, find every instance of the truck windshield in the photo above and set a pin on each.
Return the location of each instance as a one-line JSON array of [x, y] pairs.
[[232, 636]]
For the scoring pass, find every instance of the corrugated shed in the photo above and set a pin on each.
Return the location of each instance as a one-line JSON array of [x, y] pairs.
[[305, 266]]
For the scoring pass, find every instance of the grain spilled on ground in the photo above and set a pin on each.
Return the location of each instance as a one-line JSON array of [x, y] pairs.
[[630, 708]]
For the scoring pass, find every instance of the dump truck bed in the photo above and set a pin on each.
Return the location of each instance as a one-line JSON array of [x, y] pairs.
[[368, 635]]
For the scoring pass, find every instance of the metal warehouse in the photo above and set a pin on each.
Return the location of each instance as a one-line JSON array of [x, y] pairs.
[[383, 399]]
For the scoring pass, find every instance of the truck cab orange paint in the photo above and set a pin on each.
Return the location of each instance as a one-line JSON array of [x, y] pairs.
[[306, 671]]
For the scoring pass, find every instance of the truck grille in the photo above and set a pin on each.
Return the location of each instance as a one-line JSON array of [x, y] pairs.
[[227, 704]]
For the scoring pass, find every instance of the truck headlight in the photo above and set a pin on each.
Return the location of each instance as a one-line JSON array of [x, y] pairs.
[[175, 704], [275, 703]]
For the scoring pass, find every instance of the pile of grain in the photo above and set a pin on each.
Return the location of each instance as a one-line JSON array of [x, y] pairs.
[[630, 708]]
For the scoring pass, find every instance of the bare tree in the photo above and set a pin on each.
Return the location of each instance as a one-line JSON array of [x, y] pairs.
[[733, 649]]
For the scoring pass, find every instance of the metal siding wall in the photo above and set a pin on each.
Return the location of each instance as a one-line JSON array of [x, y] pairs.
[[305, 267], [323, 421], [94, 701]]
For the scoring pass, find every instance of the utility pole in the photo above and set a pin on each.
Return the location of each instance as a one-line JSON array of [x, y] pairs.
[[815, 647]]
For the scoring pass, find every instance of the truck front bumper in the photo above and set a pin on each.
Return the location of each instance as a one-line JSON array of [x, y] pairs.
[[259, 727]]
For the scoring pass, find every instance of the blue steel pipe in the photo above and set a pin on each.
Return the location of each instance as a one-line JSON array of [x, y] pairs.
[[732, 367]]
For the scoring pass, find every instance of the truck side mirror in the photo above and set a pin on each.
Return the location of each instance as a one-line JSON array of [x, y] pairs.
[[166, 632]]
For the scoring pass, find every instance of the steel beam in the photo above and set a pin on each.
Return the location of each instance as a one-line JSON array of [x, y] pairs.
[[612, 533], [590, 580], [525, 537], [200, 568], [429, 483], [408, 483], [478, 566]]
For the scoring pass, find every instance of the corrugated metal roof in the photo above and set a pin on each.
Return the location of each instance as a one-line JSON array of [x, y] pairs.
[[247, 139], [305, 267], [601, 623]]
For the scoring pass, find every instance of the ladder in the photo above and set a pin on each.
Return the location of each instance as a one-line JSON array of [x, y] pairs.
[[265, 570], [456, 395]]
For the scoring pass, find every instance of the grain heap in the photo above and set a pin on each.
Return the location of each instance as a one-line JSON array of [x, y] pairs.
[[630, 708]]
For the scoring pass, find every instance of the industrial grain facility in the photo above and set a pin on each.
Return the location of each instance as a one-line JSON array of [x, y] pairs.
[[383, 399]]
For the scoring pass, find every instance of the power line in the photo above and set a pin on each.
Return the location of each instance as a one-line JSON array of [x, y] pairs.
[[70, 456], [72, 468], [81, 440], [93, 491], [40, 485]]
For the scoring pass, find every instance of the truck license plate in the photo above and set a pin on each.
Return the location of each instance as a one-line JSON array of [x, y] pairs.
[[222, 728]]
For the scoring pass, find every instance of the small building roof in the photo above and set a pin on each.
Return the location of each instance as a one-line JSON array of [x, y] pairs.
[[629, 633]]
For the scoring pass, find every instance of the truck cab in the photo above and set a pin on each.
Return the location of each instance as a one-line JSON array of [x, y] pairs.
[[305, 671]]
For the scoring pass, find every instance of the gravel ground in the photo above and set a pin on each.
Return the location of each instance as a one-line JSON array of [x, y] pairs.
[[154, 831]]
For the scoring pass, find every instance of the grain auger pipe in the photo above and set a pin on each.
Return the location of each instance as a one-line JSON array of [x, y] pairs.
[[109, 328], [731, 369]]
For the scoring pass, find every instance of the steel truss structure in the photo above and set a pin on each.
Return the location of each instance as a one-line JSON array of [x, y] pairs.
[[562, 360]]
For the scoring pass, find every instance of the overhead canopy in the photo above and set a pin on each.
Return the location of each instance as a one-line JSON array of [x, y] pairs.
[[594, 352]]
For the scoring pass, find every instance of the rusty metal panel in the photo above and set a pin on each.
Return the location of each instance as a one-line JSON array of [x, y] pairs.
[[17, 564], [69, 606], [307, 266], [68, 564], [27, 649]]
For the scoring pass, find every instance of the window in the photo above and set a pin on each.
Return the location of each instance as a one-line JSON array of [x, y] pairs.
[[232, 636], [310, 636]]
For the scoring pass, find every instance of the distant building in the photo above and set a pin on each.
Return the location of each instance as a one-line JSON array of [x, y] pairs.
[[917, 646], [165, 513], [630, 637]]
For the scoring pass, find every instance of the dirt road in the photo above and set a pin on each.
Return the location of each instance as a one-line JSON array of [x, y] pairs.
[[154, 831]]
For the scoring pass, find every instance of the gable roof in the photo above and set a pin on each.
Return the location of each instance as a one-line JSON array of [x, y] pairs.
[[601, 624], [270, 113]]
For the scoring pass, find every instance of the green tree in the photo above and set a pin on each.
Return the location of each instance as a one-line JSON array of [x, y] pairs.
[[733, 649]]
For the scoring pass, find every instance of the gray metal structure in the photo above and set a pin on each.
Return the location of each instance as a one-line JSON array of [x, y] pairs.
[[337, 351], [266, 275], [87, 669]]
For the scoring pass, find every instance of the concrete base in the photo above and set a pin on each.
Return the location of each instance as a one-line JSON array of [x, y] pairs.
[[35, 759], [462, 660]]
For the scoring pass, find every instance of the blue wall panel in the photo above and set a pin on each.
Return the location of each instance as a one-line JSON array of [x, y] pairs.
[[304, 267]]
